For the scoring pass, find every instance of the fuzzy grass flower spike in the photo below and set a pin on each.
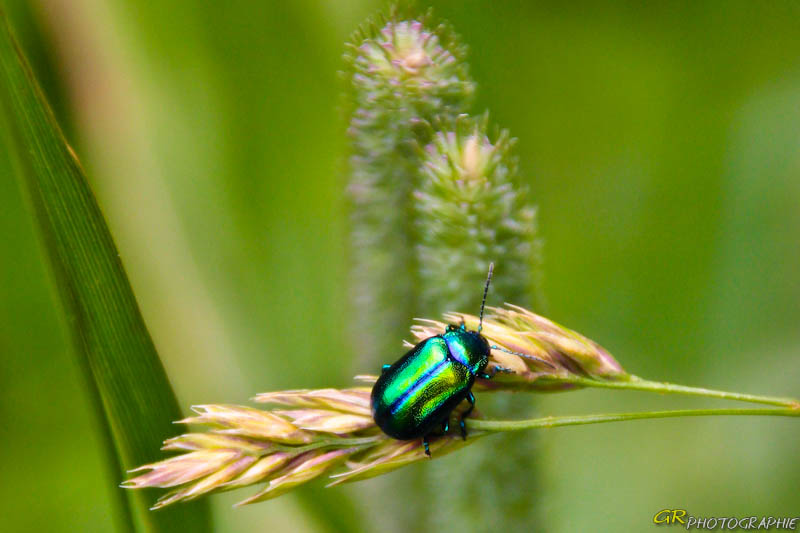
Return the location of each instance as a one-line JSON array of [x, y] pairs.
[[469, 209], [305, 434], [409, 61]]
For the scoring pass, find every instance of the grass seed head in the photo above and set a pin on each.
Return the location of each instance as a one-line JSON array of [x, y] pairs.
[[305, 433]]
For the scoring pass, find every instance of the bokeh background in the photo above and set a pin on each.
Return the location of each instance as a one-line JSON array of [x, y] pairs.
[[660, 142]]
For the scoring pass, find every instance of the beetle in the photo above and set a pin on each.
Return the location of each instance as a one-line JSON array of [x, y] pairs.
[[420, 391]]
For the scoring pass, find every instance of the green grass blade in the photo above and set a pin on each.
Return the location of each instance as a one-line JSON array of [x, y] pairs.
[[123, 370]]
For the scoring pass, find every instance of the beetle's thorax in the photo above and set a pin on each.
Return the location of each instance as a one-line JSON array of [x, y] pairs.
[[469, 348]]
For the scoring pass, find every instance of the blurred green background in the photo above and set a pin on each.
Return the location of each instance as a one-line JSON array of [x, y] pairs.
[[661, 144]]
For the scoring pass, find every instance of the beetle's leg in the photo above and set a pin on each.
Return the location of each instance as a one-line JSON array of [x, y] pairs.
[[446, 425], [495, 370], [427, 447], [384, 368], [471, 400]]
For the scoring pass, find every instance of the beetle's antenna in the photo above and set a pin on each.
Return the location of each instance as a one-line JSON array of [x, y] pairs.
[[485, 292], [524, 355]]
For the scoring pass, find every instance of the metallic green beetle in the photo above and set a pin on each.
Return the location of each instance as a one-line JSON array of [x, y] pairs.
[[419, 392]]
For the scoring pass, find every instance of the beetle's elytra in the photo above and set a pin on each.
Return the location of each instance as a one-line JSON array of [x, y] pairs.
[[419, 392]]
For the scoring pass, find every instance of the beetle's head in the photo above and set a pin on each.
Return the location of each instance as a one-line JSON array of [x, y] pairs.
[[469, 348]]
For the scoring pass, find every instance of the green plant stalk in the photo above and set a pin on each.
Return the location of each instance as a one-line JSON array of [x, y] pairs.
[[487, 427], [493, 426], [637, 383], [129, 387]]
